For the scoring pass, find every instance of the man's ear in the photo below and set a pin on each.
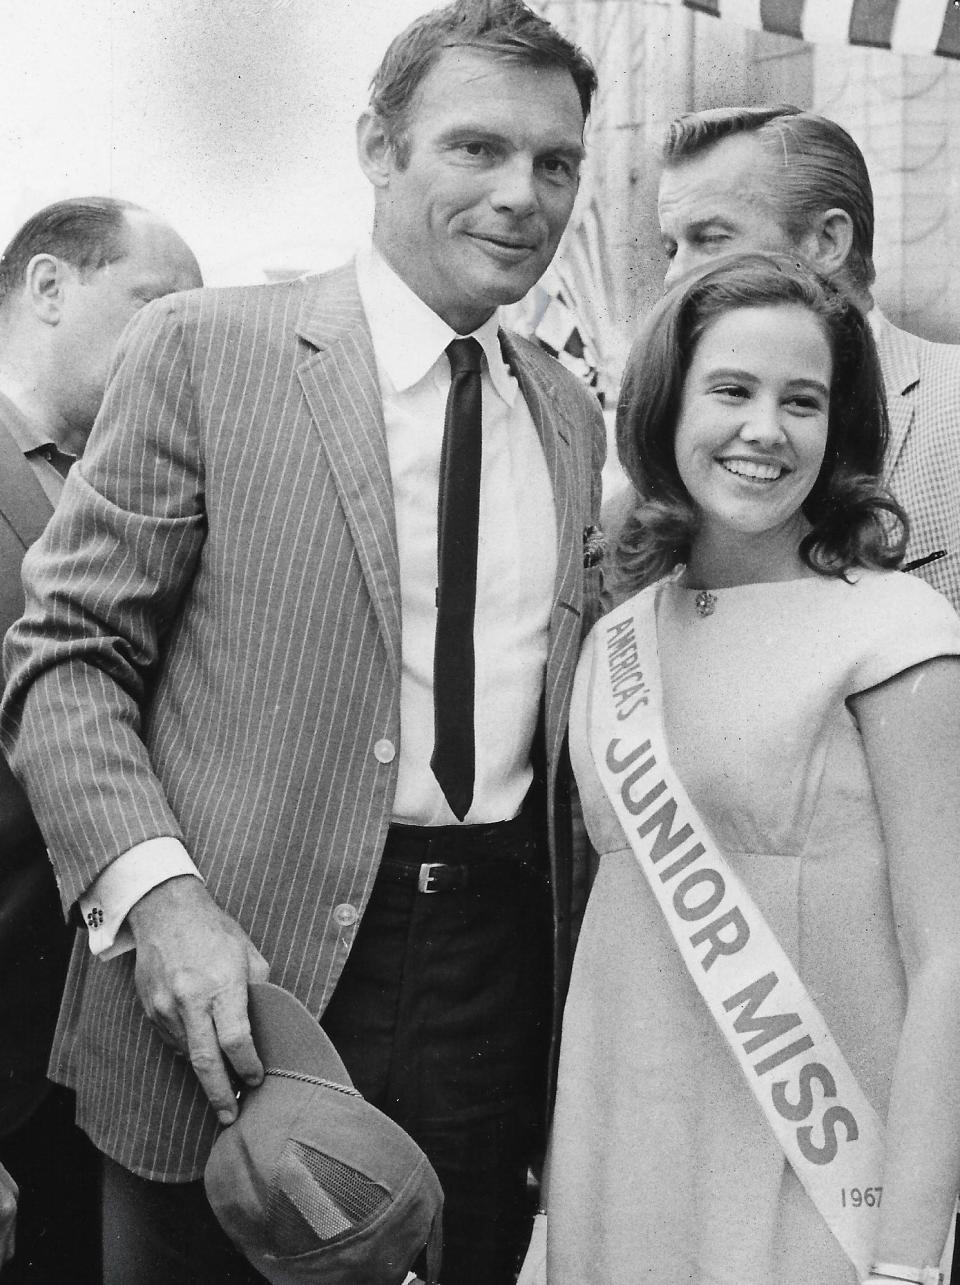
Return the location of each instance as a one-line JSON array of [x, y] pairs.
[[829, 241], [45, 283], [374, 150]]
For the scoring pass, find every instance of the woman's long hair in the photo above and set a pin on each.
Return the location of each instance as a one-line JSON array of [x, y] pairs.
[[855, 522]]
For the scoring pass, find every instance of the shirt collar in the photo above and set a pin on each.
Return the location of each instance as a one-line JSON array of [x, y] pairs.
[[27, 435], [409, 337]]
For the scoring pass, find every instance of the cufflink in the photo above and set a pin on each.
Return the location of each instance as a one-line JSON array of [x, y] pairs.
[[594, 546], [95, 917]]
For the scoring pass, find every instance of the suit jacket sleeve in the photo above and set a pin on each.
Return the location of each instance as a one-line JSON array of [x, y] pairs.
[[102, 585]]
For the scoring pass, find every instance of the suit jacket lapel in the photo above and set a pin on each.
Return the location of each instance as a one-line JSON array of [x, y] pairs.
[[23, 501], [342, 390], [549, 410], [901, 374], [555, 427]]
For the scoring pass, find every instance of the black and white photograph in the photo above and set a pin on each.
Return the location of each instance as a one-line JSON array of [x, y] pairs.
[[479, 590]]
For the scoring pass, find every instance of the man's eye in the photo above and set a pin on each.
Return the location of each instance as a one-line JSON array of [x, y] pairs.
[[735, 391], [477, 149], [558, 167]]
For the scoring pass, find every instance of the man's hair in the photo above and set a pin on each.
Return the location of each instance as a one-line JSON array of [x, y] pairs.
[[854, 521], [508, 29], [87, 232], [814, 166]]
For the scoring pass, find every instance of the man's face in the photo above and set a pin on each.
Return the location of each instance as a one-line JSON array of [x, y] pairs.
[[712, 204], [99, 304], [474, 218]]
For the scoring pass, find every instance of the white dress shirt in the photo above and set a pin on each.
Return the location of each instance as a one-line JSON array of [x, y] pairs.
[[48, 461], [516, 556], [516, 569]]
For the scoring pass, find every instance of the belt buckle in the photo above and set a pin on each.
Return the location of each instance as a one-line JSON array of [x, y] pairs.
[[426, 876]]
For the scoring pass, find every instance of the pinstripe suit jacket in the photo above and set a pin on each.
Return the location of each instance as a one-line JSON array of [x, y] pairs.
[[922, 382], [213, 624]]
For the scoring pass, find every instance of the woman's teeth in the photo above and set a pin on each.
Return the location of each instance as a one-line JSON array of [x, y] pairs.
[[750, 468]]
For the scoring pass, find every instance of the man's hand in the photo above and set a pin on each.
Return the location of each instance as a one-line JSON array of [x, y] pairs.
[[194, 964], [9, 1194]]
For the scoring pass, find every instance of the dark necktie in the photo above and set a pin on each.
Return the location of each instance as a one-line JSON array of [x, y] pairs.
[[458, 512]]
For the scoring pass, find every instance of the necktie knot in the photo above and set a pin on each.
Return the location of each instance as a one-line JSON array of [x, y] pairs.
[[464, 355]]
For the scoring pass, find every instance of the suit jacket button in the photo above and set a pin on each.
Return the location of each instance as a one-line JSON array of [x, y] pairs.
[[345, 915], [384, 751]]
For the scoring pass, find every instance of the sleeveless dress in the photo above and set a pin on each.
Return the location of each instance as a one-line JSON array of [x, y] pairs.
[[663, 1167]]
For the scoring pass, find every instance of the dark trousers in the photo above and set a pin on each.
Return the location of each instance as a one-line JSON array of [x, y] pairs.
[[58, 1212], [442, 1019], [157, 1233]]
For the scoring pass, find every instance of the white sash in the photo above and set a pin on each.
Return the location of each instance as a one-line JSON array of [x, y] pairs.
[[829, 1132]]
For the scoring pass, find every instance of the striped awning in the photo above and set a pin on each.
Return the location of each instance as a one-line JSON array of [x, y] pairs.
[[904, 26]]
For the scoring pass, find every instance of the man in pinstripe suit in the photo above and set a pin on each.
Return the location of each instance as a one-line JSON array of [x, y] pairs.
[[757, 178], [230, 625], [70, 279]]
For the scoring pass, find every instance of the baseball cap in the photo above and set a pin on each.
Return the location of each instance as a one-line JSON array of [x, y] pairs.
[[311, 1182]]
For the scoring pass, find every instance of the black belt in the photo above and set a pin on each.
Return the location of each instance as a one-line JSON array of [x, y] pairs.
[[451, 858]]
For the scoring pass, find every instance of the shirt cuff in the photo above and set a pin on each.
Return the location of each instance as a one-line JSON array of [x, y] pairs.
[[107, 902]]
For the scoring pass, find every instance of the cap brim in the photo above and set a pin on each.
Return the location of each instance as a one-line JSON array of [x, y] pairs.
[[289, 1038]]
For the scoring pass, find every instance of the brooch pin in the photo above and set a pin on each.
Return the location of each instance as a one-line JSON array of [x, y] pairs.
[[594, 546], [705, 603]]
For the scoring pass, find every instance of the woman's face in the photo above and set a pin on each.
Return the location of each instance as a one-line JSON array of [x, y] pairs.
[[752, 428]]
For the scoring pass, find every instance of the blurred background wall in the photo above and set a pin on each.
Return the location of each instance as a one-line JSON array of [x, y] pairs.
[[657, 58], [234, 118]]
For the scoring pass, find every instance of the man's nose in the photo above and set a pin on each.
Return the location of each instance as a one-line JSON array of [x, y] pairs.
[[678, 266], [515, 188]]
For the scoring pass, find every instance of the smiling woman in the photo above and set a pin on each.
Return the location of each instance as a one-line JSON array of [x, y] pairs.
[[756, 365], [760, 1052], [752, 434]]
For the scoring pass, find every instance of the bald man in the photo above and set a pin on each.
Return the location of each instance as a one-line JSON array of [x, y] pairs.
[[70, 279]]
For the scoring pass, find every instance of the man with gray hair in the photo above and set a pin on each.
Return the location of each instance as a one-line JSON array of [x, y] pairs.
[[777, 178], [70, 279]]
